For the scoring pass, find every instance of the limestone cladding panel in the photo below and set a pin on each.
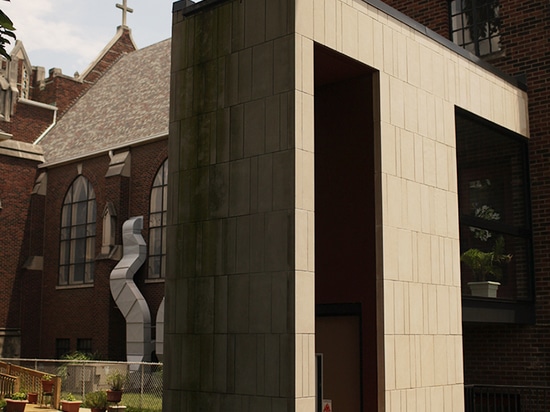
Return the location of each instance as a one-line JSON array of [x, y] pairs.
[[241, 136], [421, 82]]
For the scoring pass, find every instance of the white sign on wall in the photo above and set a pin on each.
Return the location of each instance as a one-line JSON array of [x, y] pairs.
[[327, 405]]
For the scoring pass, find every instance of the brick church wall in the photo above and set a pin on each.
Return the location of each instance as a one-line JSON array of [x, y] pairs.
[[15, 186], [82, 309], [122, 46], [89, 312], [35, 305], [28, 123], [60, 91], [149, 158], [505, 353]]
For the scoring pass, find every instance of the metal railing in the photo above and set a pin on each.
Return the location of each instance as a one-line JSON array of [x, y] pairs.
[[486, 398], [142, 392]]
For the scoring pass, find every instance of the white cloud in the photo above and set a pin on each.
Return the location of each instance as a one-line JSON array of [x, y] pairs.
[[70, 34]]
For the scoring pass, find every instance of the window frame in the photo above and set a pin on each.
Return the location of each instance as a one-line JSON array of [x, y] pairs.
[[84, 345], [475, 309], [156, 250], [77, 237], [467, 34], [62, 347]]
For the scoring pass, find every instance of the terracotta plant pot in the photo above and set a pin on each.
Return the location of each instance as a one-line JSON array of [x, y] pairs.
[[70, 406], [15, 406], [32, 397], [47, 386], [114, 396]]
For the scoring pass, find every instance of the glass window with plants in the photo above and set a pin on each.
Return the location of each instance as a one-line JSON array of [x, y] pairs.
[[493, 189]]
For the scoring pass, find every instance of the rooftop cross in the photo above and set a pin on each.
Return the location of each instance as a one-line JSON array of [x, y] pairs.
[[125, 9]]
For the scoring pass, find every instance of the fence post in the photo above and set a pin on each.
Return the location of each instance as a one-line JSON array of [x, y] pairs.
[[82, 373], [57, 392], [142, 386], [17, 384]]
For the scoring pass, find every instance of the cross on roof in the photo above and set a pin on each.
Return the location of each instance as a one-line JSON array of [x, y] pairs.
[[125, 9]]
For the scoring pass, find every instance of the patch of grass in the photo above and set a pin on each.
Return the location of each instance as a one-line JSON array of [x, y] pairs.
[[136, 402]]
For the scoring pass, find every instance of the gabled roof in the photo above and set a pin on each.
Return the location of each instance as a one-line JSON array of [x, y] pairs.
[[129, 103]]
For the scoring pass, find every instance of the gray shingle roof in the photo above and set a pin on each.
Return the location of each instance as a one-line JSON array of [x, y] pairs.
[[130, 102]]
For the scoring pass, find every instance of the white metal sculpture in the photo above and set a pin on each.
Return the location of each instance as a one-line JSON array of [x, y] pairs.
[[127, 296]]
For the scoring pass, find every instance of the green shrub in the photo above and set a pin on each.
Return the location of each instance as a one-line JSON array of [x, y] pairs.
[[97, 399], [18, 396]]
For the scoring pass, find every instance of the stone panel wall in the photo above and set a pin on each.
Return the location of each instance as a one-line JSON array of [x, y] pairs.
[[523, 41]]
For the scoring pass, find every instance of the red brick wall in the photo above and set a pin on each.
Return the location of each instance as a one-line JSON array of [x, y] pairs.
[[60, 91], [431, 13], [522, 354], [89, 311], [123, 45], [515, 354], [30, 300], [150, 158], [28, 122], [16, 185]]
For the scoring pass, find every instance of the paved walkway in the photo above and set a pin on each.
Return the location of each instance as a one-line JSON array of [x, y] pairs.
[[37, 408]]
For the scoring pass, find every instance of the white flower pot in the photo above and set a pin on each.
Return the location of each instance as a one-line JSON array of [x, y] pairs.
[[485, 289]]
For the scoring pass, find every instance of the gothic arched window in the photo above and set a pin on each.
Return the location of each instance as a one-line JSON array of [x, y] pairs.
[[78, 228], [157, 224]]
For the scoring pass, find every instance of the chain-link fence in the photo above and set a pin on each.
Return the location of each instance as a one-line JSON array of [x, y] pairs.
[[142, 391]]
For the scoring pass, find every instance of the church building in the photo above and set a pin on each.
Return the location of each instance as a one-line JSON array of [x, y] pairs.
[[80, 156]]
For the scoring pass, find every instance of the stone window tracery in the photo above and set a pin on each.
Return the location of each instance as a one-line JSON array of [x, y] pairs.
[[157, 224], [78, 230]]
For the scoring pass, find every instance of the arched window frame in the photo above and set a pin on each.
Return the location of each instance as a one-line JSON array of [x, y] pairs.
[[77, 237], [157, 224]]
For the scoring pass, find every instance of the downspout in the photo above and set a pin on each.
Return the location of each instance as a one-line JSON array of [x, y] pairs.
[[54, 121]]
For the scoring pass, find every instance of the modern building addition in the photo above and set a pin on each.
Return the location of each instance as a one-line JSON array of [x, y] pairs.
[[313, 206]]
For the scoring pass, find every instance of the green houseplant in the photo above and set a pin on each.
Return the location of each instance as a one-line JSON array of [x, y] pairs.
[[16, 402], [487, 267], [69, 403], [116, 381], [96, 401], [2, 404], [47, 383]]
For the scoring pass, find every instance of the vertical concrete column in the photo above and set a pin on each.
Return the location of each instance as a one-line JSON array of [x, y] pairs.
[[239, 330]]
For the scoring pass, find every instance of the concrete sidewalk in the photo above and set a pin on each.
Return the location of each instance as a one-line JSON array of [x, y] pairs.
[[38, 408]]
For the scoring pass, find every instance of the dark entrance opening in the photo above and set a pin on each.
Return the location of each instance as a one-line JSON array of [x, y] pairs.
[[346, 198]]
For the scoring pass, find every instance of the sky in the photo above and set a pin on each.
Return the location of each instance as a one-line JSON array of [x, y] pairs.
[[70, 34]]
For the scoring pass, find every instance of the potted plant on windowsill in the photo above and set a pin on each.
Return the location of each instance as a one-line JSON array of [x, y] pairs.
[[2, 404], [96, 401], [69, 403], [116, 381], [16, 402], [487, 268]]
